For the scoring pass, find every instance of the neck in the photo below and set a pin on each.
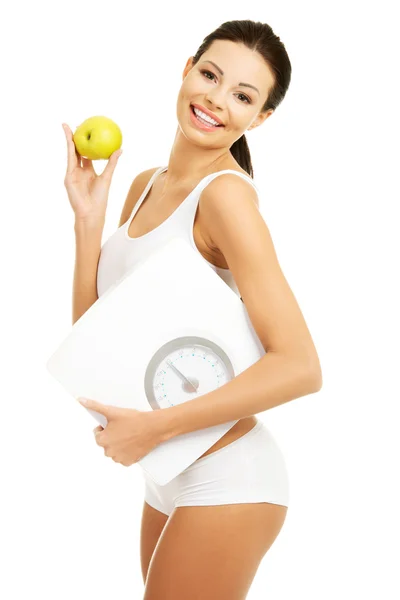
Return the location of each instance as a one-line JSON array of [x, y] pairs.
[[190, 163]]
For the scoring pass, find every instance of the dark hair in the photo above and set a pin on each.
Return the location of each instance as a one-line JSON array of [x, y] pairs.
[[260, 37]]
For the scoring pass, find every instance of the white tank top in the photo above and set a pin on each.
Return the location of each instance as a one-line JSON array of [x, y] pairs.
[[121, 252]]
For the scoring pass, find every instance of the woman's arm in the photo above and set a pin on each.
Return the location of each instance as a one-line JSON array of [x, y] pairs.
[[88, 247], [88, 238]]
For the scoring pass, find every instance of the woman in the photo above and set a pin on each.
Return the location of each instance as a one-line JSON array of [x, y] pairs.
[[226, 509]]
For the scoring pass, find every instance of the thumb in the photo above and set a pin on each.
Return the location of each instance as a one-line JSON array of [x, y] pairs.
[[103, 409], [112, 163]]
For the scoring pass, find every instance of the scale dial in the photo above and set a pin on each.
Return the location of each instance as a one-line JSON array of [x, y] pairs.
[[185, 368]]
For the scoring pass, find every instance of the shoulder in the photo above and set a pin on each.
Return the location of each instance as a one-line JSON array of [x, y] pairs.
[[144, 177], [227, 201], [141, 180], [232, 220], [227, 184]]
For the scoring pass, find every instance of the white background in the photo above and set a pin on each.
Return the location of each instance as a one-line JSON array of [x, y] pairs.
[[326, 164]]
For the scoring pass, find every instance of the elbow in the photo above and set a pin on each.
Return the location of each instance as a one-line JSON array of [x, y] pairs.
[[307, 372], [315, 378], [313, 371], [311, 375], [316, 384]]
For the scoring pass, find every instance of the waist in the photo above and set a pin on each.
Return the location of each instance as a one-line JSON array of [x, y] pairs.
[[240, 428]]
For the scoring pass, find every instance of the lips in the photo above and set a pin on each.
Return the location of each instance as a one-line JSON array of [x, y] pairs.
[[207, 112]]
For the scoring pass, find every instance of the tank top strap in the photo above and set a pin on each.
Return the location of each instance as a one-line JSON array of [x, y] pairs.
[[194, 197], [212, 176], [145, 191]]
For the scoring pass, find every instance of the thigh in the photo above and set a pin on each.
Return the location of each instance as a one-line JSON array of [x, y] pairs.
[[212, 552], [250, 471], [153, 523]]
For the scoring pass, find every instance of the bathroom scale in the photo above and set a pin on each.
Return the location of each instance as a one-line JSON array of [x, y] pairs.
[[169, 331]]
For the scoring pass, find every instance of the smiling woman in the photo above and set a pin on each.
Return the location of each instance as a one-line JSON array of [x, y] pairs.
[[219, 516], [230, 503], [272, 69]]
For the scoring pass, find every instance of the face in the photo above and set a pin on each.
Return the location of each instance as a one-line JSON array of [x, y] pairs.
[[237, 106]]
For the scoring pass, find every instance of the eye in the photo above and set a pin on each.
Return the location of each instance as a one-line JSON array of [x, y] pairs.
[[212, 75], [244, 96], [209, 73]]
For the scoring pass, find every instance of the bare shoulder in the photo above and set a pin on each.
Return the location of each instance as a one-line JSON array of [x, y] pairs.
[[230, 181], [135, 191], [226, 192]]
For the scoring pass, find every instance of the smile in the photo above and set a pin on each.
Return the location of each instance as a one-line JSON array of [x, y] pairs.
[[201, 120]]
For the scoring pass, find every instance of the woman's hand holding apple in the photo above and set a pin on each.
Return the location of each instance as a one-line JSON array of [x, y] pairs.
[[87, 191]]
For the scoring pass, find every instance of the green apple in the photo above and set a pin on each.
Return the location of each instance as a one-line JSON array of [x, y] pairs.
[[97, 138]]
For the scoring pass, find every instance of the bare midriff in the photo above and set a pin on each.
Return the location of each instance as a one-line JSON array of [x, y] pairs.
[[240, 428]]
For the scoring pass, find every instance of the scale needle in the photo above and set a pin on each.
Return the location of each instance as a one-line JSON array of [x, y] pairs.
[[181, 375]]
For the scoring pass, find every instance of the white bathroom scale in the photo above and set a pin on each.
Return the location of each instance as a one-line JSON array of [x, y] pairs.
[[167, 332]]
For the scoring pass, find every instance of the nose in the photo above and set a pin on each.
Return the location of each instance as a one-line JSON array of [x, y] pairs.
[[214, 98]]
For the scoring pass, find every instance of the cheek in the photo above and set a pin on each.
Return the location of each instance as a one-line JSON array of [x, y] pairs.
[[189, 88]]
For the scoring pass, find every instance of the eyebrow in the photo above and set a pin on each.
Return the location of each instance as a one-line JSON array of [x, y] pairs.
[[221, 71]]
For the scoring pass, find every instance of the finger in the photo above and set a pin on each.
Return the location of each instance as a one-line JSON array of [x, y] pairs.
[[88, 165], [103, 409], [112, 163], [73, 156], [78, 156]]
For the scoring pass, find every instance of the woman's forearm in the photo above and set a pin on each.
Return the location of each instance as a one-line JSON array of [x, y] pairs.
[[88, 238]]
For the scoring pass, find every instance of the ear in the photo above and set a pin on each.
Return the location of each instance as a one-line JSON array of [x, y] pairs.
[[259, 120], [188, 66]]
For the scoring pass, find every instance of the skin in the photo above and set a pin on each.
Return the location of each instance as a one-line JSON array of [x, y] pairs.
[[196, 153]]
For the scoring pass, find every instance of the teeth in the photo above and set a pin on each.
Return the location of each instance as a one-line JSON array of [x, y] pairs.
[[205, 117]]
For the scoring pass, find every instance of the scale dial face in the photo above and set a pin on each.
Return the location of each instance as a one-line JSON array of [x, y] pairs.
[[185, 368]]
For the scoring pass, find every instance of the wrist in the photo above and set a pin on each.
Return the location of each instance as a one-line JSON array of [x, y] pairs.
[[163, 423], [90, 224]]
